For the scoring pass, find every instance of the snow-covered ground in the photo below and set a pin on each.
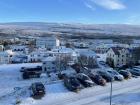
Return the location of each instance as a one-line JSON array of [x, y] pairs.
[[13, 88]]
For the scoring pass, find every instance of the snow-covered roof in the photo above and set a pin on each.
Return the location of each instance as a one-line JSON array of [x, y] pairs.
[[49, 59], [18, 46], [63, 50], [10, 52], [86, 52]]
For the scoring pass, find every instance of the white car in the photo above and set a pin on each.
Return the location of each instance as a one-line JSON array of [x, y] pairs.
[[116, 75]]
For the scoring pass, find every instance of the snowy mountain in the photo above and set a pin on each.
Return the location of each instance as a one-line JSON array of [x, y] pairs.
[[74, 29]]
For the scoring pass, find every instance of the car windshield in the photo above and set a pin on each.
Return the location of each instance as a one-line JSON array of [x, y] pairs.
[[98, 77], [85, 78], [113, 72], [136, 70], [74, 82], [40, 86]]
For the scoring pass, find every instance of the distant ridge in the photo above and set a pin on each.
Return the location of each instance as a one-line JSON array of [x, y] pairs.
[[70, 28]]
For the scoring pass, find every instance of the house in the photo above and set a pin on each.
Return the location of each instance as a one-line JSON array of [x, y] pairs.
[[59, 59], [49, 65], [38, 55], [118, 56], [1, 48], [136, 41], [4, 57], [80, 45], [102, 48], [19, 59], [134, 46], [68, 54], [87, 58], [102, 41], [47, 42], [135, 56], [21, 49]]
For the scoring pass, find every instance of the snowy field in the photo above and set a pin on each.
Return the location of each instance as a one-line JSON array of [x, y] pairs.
[[13, 88]]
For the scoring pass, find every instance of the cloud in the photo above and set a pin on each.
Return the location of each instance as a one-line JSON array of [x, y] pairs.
[[91, 7], [109, 4], [134, 19]]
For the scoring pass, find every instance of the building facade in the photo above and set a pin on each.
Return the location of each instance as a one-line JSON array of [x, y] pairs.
[[118, 56], [47, 42]]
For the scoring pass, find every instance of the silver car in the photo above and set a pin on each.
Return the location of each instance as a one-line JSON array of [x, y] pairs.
[[116, 75]]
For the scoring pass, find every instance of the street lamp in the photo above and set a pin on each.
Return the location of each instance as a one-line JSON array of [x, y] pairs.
[[111, 93]]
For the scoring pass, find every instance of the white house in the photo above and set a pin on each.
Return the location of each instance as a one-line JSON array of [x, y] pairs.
[[136, 41], [38, 55], [59, 59], [1, 48], [118, 56], [19, 58], [81, 45], [20, 49], [87, 57], [47, 42], [64, 52], [133, 46], [4, 58], [49, 65]]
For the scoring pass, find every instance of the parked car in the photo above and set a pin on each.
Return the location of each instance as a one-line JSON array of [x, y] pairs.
[[116, 75], [27, 75], [61, 76], [137, 67], [106, 76], [37, 89], [126, 74], [72, 84], [35, 69], [85, 80], [135, 71], [99, 80], [103, 63], [76, 67]]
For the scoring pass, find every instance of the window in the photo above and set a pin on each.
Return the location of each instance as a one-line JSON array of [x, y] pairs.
[[45, 69], [53, 63], [44, 63]]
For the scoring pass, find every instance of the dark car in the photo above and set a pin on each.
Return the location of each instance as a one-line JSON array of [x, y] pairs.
[[37, 89], [106, 76], [135, 71], [85, 80], [72, 84], [76, 67], [27, 75], [126, 74], [31, 72], [35, 69], [99, 80]]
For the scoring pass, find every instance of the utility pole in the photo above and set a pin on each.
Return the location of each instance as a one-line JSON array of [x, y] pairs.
[[111, 93]]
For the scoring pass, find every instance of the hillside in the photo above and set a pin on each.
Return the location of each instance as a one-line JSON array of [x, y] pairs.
[[38, 28]]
